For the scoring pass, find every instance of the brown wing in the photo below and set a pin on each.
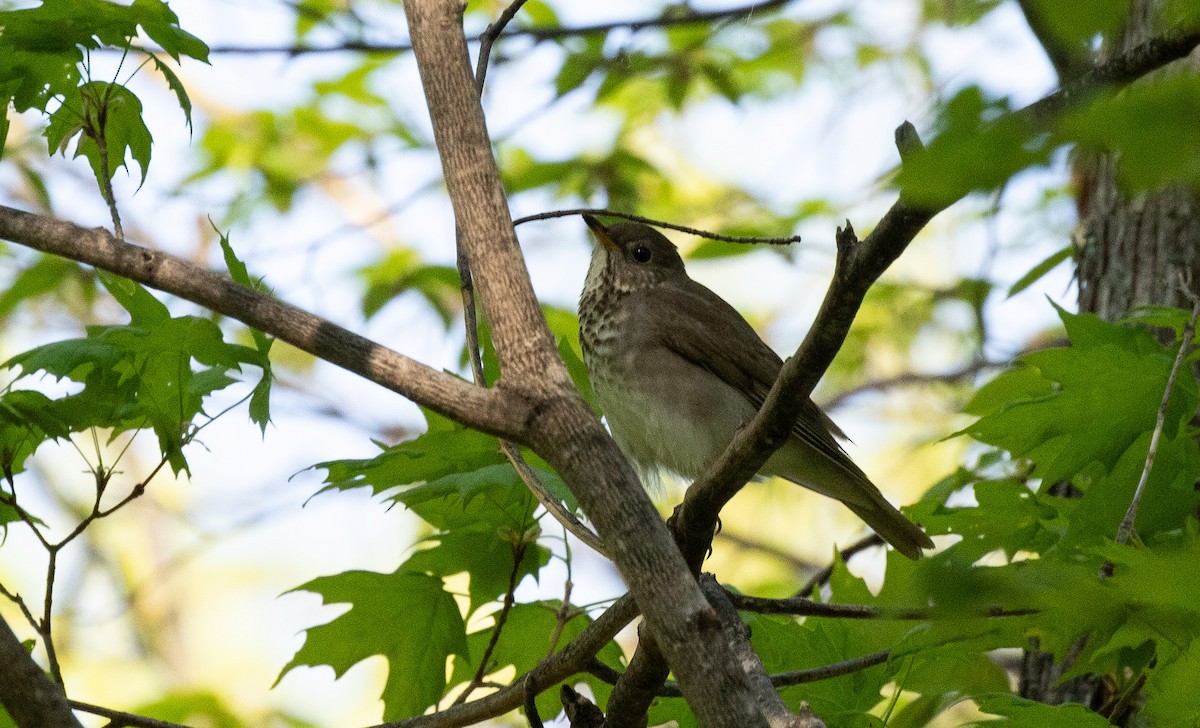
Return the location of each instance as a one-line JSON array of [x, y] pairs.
[[712, 335]]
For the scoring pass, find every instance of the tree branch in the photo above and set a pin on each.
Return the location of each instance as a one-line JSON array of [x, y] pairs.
[[31, 698], [570, 660], [656, 223], [562, 430], [119, 719], [804, 607], [779, 679], [1125, 530], [491, 411], [674, 16]]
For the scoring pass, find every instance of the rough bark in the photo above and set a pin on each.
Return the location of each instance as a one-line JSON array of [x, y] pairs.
[[31, 698]]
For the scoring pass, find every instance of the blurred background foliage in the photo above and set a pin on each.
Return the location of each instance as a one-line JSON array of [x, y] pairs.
[[298, 128]]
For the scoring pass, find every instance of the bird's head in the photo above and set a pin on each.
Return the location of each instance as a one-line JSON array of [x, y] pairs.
[[631, 256]]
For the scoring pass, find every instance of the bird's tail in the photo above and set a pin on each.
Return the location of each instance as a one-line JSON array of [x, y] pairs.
[[904, 535], [833, 474]]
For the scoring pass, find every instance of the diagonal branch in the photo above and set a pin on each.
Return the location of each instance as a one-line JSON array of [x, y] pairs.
[[674, 16], [492, 411], [31, 698], [561, 428], [570, 660], [858, 266]]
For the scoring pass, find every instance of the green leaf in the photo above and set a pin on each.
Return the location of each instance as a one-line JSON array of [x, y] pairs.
[[525, 640], [260, 398], [1021, 713], [487, 556], [1036, 272], [489, 498], [46, 275], [1109, 383], [423, 628], [1171, 698], [173, 83], [162, 25]]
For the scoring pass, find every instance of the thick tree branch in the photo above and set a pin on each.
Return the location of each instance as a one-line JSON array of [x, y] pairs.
[[737, 635], [522, 339], [562, 430], [31, 698], [491, 411]]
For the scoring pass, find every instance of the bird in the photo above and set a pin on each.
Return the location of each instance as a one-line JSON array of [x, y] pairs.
[[677, 370]]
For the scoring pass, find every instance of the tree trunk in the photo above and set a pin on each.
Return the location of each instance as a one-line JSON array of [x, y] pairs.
[[1132, 250]]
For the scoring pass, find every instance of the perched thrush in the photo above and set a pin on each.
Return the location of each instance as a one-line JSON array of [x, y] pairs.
[[677, 371]]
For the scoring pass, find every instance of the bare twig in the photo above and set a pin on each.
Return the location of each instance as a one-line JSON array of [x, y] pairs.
[[656, 223], [803, 607], [822, 576], [908, 379], [518, 555], [675, 17], [1125, 530], [488, 37], [782, 679], [571, 659]]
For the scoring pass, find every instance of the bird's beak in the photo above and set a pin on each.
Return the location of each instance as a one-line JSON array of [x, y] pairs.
[[601, 233]]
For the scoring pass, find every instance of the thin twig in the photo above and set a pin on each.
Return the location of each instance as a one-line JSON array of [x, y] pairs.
[[907, 379], [15, 598], [656, 223], [822, 576], [670, 689], [1125, 530], [488, 37], [550, 501], [120, 719], [803, 607], [674, 18], [513, 577]]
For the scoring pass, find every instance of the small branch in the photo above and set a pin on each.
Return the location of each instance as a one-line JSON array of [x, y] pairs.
[[119, 719], [906, 380], [656, 223], [20, 602], [779, 680], [488, 37], [570, 660], [501, 619], [818, 579], [674, 17], [803, 607], [837, 669], [550, 501], [1125, 530], [495, 411]]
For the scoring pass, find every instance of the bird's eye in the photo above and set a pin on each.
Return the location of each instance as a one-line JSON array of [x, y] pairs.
[[641, 254]]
